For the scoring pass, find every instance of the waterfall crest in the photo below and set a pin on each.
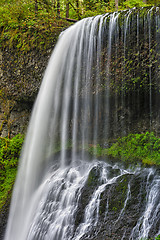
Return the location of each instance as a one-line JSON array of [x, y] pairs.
[[83, 101]]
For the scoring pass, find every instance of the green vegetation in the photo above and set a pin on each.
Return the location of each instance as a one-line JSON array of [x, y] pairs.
[[93, 178], [117, 204], [24, 29], [156, 238], [29, 24], [133, 148], [9, 155]]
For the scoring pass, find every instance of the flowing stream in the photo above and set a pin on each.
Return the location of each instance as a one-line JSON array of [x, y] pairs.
[[62, 192]]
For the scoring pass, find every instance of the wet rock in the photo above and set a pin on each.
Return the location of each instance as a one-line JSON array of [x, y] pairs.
[[121, 205], [3, 218]]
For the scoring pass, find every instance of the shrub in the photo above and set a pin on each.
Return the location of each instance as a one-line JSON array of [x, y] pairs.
[[142, 147], [9, 155], [132, 148]]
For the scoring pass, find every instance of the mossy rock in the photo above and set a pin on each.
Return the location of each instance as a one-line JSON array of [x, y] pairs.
[[94, 177]]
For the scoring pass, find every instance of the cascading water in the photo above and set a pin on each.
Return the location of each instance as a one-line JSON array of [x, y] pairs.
[[91, 92]]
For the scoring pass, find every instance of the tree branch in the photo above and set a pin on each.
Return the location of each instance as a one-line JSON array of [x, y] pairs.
[[68, 19]]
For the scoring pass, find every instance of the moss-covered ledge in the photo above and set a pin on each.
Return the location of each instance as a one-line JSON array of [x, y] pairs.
[[134, 149]]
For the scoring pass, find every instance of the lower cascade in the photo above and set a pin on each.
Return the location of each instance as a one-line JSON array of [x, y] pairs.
[[101, 83]]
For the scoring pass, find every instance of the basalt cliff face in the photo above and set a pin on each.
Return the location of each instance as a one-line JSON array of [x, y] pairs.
[[21, 74]]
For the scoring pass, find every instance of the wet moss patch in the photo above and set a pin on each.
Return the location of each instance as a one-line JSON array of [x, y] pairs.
[[135, 148], [9, 155]]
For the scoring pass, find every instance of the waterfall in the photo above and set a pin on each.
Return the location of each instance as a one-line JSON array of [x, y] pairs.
[[94, 89]]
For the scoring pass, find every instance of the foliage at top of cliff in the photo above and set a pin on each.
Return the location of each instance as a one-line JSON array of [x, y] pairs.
[[25, 28], [29, 24]]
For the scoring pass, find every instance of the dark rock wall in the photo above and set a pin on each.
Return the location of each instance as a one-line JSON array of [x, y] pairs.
[[21, 75], [3, 218]]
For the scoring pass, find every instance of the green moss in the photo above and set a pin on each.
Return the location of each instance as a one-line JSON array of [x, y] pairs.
[[133, 148], [121, 188], [24, 29], [9, 155], [119, 192], [96, 150], [93, 178], [137, 147], [156, 238], [25, 26], [7, 180]]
